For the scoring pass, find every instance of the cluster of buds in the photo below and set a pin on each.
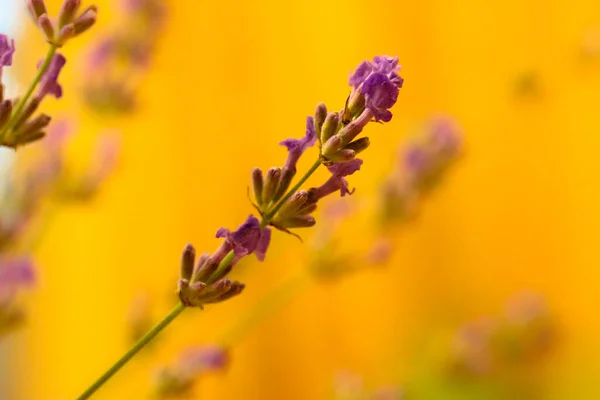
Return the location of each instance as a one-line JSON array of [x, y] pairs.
[[70, 21], [420, 168], [350, 386], [19, 123], [16, 274], [179, 379], [524, 334], [205, 281], [375, 86], [121, 57]]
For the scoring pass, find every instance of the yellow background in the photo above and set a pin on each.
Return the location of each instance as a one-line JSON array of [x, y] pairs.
[[228, 82]]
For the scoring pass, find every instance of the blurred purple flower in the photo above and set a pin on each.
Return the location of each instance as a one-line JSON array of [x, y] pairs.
[[49, 83], [7, 49], [378, 81], [179, 379]]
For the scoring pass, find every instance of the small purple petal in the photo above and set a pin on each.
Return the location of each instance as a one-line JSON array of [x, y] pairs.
[[298, 146], [263, 244], [337, 181], [346, 168], [7, 49], [361, 73], [49, 82], [381, 94], [247, 238]]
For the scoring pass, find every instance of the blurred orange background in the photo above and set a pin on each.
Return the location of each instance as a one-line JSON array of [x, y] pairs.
[[227, 83]]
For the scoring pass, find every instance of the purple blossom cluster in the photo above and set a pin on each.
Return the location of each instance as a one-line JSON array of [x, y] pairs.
[[420, 168], [120, 58], [16, 274], [375, 86], [179, 379], [205, 281], [19, 123]]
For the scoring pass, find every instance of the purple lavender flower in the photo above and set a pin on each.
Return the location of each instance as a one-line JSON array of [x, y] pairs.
[[378, 81], [7, 49], [49, 82], [248, 238], [298, 146], [179, 379], [381, 94], [204, 358], [16, 272], [337, 180]]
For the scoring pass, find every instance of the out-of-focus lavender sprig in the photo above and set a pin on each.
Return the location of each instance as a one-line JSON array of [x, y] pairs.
[[119, 59], [420, 168], [524, 335], [19, 123], [16, 274], [179, 379], [45, 174]]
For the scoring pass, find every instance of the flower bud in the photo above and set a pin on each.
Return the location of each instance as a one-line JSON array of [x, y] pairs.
[[320, 116], [257, 186], [5, 112], [358, 145], [271, 184], [331, 146], [66, 32], [307, 208], [329, 127], [355, 106], [27, 112], [352, 130], [284, 183], [85, 20], [36, 8], [46, 26], [292, 205], [35, 124], [342, 156], [187, 262], [67, 12], [302, 221]]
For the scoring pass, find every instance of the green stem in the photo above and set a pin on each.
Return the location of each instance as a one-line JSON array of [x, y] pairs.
[[132, 352], [272, 302], [36, 80], [271, 213]]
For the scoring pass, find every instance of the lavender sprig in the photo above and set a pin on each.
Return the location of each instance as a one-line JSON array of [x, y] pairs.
[[205, 281], [18, 125]]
